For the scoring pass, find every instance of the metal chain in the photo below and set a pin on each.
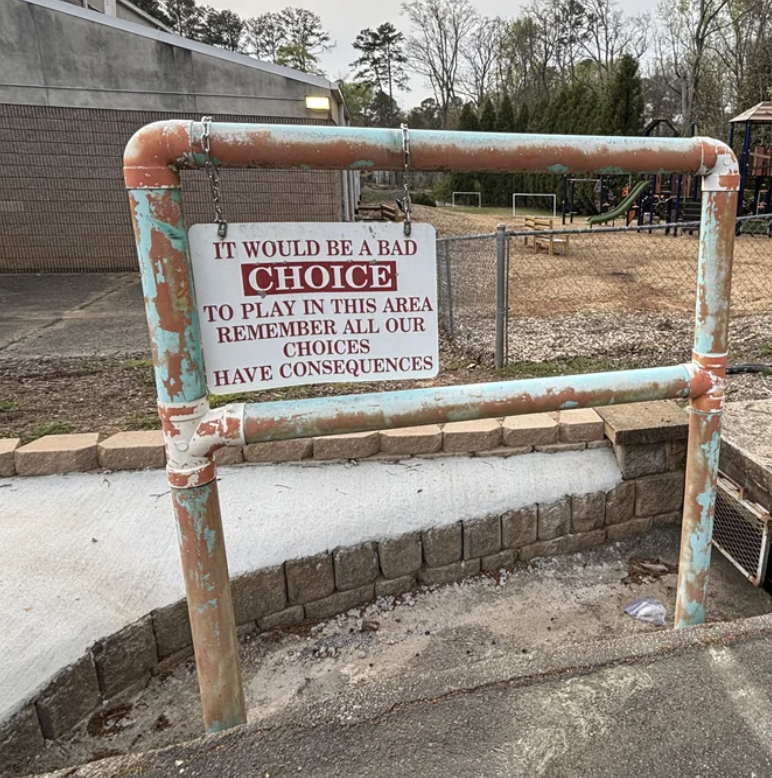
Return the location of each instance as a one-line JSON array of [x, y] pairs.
[[214, 180], [406, 179]]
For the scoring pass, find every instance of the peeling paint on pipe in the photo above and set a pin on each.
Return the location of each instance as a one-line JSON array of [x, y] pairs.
[[386, 410], [153, 159]]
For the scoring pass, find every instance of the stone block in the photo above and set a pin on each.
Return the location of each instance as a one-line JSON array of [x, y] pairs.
[[400, 556], [568, 544], [555, 519], [628, 528], [642, 459], [666, 518], [538, 429], [469, 436], [280, 451], [412, 440], [355, 566], [559, 448], [58, 454], [649, 422], [20, 739], [442, 545], [126, 657], [358, 445], [588, 511], [482, 537], [171, 625], [133, 450], [438, 576], [229, 455], [659, 494], [258, 593], [309, 579], [339, 602], [580, 425], [620, 503], [520, 527], [676, 454], [595, 444], [504, 560], [8, 448], [69, 698], [286, 618], [393, 587]]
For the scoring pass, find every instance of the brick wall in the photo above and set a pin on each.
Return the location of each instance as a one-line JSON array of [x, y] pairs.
[[63, 205]]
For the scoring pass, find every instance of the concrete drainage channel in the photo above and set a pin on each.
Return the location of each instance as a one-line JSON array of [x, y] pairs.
[[551, 617]]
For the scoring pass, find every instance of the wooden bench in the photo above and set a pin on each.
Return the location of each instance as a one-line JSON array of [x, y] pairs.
[[550, 242], [381, 212]]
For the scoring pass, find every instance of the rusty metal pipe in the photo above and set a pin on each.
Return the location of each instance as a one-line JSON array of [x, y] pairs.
[[162, 246], [714, 276], [387, 410], [210, 606], [158, 151]]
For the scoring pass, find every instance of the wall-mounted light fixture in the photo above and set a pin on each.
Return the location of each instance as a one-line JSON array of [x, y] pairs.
[[317, 103]]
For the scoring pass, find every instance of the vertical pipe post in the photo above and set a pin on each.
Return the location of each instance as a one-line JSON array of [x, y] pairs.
[[710, 353], [743, 170], [501, 301], [172, 319]]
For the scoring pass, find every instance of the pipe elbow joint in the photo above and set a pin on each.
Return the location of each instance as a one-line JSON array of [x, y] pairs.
[[721, 170]]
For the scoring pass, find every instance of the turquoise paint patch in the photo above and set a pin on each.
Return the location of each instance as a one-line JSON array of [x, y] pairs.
[[361, 163], [210, 537], [558, 168], [569, 404]]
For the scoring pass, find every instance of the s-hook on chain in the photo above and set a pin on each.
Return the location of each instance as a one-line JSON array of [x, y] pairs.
[[214, 179], [406, 179]]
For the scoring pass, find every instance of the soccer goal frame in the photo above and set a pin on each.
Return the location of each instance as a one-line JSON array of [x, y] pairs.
[[477, 194], [554, 197]]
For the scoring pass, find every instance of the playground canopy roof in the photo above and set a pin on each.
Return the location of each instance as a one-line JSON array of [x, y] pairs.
[[760, 114]]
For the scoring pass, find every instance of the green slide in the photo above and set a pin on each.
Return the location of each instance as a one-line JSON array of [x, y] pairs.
[[623, 207]]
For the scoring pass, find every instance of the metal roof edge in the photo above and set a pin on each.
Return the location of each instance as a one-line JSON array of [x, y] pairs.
[[173, 39]]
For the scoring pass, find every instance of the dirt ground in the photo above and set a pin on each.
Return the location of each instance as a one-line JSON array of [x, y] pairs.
[[547, 604], [613, 301]]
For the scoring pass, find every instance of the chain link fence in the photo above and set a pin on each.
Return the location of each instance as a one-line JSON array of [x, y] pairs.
[[606, 289]]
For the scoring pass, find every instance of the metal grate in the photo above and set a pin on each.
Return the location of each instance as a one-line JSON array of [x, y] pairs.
[[741, 531]]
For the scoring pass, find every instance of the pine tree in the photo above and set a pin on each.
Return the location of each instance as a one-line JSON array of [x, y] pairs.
[[505, 182], [488, 123], [466, 182], [623, 106]]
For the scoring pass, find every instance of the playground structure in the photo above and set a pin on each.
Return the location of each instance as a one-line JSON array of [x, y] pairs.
[[755, 159]]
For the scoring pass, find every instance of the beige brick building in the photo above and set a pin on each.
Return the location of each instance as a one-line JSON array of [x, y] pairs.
[[75, 84]]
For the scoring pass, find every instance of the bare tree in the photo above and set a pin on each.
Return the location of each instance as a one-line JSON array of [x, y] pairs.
[[688, 29], [481, 54], [264, 36], [611, 34], [440, 28], [744, 47]]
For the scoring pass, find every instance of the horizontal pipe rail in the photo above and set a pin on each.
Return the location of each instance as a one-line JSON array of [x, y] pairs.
[[156, 153], [289, 419]]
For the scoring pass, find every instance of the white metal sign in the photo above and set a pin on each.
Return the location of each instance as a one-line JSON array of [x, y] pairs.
[[286, 304]]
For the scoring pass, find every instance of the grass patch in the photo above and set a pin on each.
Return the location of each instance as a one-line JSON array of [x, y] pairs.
[[137, 363], [8, 406], [52, 428], [142, 421]]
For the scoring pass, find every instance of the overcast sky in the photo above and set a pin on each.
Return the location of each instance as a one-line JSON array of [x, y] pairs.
[[345, 18]]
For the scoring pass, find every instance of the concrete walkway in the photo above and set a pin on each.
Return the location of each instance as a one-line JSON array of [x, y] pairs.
[[86, 315], [83, 555]]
